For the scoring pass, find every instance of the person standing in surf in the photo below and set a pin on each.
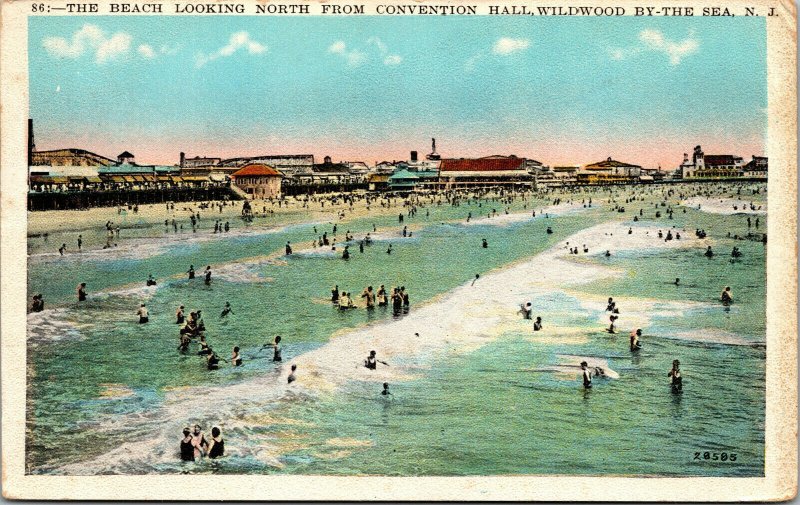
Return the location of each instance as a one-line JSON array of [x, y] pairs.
[[727, 296], [199, 442], [187, 445], [81, 292], [586, 374], [675, 379], [143, 315], [208, 275], [635, 343], [372, 362], [216, 448]]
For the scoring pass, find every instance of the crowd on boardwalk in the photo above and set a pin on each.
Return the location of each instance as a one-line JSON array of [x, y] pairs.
[[655, 203]]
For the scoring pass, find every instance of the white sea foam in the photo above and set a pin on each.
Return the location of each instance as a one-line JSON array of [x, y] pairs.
[[460, 321], [726, 206], [503, 219]]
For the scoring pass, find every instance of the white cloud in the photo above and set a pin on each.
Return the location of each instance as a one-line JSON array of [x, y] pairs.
[[506, 45], [353, 57], [393, 59], [238, 40], [654, 40], [338, 47], [357, 57], [90, 38], [146, 51]]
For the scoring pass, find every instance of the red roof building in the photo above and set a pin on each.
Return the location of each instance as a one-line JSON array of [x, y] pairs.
[[489, 171], [258, 181]]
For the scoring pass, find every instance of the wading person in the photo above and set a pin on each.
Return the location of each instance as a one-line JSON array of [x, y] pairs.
[[587, 375], [216, 448], [81, 292], [187, 446], [675, 379], [142, 313]]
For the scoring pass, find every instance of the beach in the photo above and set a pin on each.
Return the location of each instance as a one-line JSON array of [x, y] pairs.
[[467, 373]]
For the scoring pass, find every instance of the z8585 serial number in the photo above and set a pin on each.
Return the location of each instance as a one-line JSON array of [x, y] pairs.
[[715, 456]]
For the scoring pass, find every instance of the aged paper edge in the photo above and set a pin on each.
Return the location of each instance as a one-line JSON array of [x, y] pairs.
[[779, 482]]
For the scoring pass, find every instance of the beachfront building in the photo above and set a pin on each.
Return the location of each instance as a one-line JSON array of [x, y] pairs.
[[609, 171], [198, 161], [378, 181], [257, 180], [327, 173], [756, 168], [411, 180], [710, 166], [508, 171]]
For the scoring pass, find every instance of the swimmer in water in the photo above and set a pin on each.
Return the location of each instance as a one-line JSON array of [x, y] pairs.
[[179, 316], [635, 344], [142, 313], [150, 280], [485, 244], [292, 377], [191, 271], [204, 348], [372, 362], [709, 253], [226, 310], [288, 248], [675, 379], [335, 295], [276, 356], [81, 292], [727, 296], [587, 375], [213, 360], [677, 281], [208, 275], [526, 309], [385, 391], [199, 442], [236, 358], [187, 445], [537, 325], [216, 448]]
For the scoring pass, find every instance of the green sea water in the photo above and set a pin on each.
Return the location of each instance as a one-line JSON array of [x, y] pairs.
[[120, 392]]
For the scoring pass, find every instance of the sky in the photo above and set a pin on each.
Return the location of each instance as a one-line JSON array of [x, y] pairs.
[[561, 90]]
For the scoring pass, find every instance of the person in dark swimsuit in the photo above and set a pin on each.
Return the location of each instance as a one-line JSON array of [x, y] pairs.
[[277, 345], [635, 343], [537, 325], [208, 275], [187, 447], [216, 447], [226, 310], [292, 377], [385, 391], [191, 271], [372, 362], [204, 348], [676, 381], [236, 358], [179, 316], [82, 292], [335, 295], [213, 360], [587, 375]]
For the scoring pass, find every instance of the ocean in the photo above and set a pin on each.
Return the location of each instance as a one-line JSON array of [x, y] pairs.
[[476, 393]]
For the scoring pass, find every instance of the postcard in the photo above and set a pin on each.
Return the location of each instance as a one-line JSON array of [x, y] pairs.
[[466, 250]]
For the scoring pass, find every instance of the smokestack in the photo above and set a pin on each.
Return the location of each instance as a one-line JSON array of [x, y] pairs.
[[413, 155], [183, 159]]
